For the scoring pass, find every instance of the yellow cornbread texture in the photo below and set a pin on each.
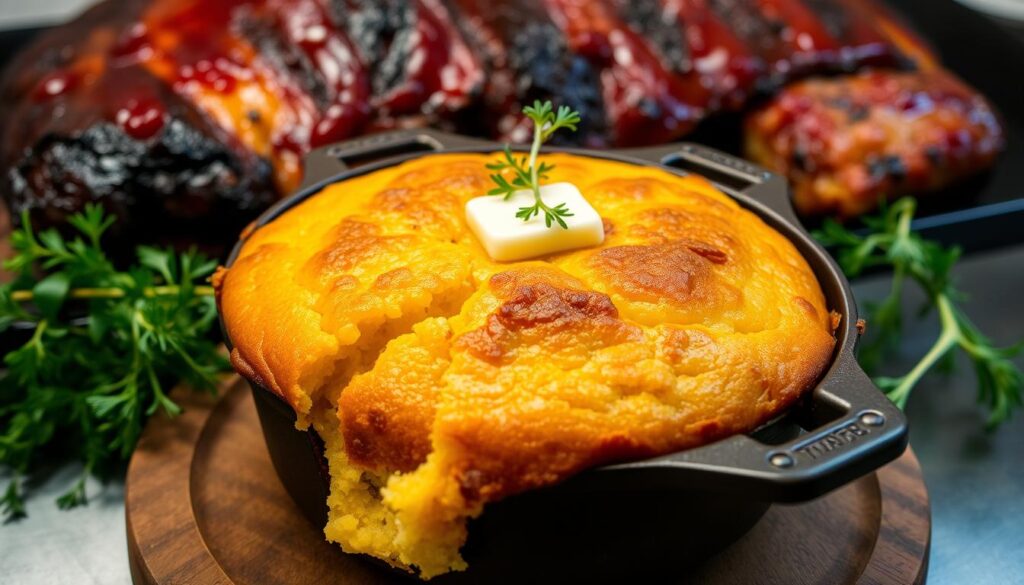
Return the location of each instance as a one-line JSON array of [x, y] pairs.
[[441, 380]]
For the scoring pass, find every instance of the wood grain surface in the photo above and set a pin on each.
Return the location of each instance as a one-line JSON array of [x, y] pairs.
[[203, 505]]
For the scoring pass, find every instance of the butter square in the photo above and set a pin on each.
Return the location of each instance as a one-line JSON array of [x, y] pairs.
[[507, 237]]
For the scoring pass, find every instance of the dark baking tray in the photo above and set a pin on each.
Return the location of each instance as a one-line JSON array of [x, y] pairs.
[[983, 213]]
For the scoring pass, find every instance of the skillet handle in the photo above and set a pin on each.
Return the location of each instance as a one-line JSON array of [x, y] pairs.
[[728, 172], [852, 428], [860, 431], [326, 162]]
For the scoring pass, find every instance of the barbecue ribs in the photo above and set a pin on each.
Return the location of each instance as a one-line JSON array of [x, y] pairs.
[[191, 116]]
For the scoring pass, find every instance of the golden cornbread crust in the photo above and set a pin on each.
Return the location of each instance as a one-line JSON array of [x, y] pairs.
[[442, 380]]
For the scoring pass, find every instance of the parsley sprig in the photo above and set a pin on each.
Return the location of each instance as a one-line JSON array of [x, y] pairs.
[[892, 244], [104, 347], [526, 173]]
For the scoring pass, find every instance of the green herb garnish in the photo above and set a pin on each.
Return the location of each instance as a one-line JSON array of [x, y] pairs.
[[527, 174], [90, 374], [892, 244]]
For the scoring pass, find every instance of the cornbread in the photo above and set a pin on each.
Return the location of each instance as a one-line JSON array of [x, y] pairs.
[[442, 380]]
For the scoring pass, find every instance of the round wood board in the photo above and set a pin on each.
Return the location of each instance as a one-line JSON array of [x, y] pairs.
[[203, 505]]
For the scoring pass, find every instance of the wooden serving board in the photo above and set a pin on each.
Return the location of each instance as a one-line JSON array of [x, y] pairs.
[[203, 505]]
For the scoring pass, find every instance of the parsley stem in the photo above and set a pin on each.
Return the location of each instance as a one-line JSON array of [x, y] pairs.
[[116, 293], [906, 216], [37, 338], [538, 138], [947, 340]]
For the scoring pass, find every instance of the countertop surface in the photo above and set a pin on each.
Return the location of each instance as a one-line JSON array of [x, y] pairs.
[[975, 479]]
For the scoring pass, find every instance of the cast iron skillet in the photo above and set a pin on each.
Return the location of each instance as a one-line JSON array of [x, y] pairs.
[[646, 519]]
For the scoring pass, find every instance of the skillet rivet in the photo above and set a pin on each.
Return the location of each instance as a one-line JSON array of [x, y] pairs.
[[872, 419], [781, 460]]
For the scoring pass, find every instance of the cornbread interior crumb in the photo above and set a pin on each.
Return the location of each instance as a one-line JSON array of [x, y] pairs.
[[441, 380]]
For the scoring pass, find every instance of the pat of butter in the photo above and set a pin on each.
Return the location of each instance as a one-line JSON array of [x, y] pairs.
[[507, 237]]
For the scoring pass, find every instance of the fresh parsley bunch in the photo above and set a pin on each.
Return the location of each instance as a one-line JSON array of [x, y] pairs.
[[105, 346], [526, 173], [891, 243]]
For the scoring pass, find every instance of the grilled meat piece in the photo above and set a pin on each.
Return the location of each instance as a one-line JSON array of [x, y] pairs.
[[194, 114], [528, 59], [192, 117], [79, 130], [847, 142]]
